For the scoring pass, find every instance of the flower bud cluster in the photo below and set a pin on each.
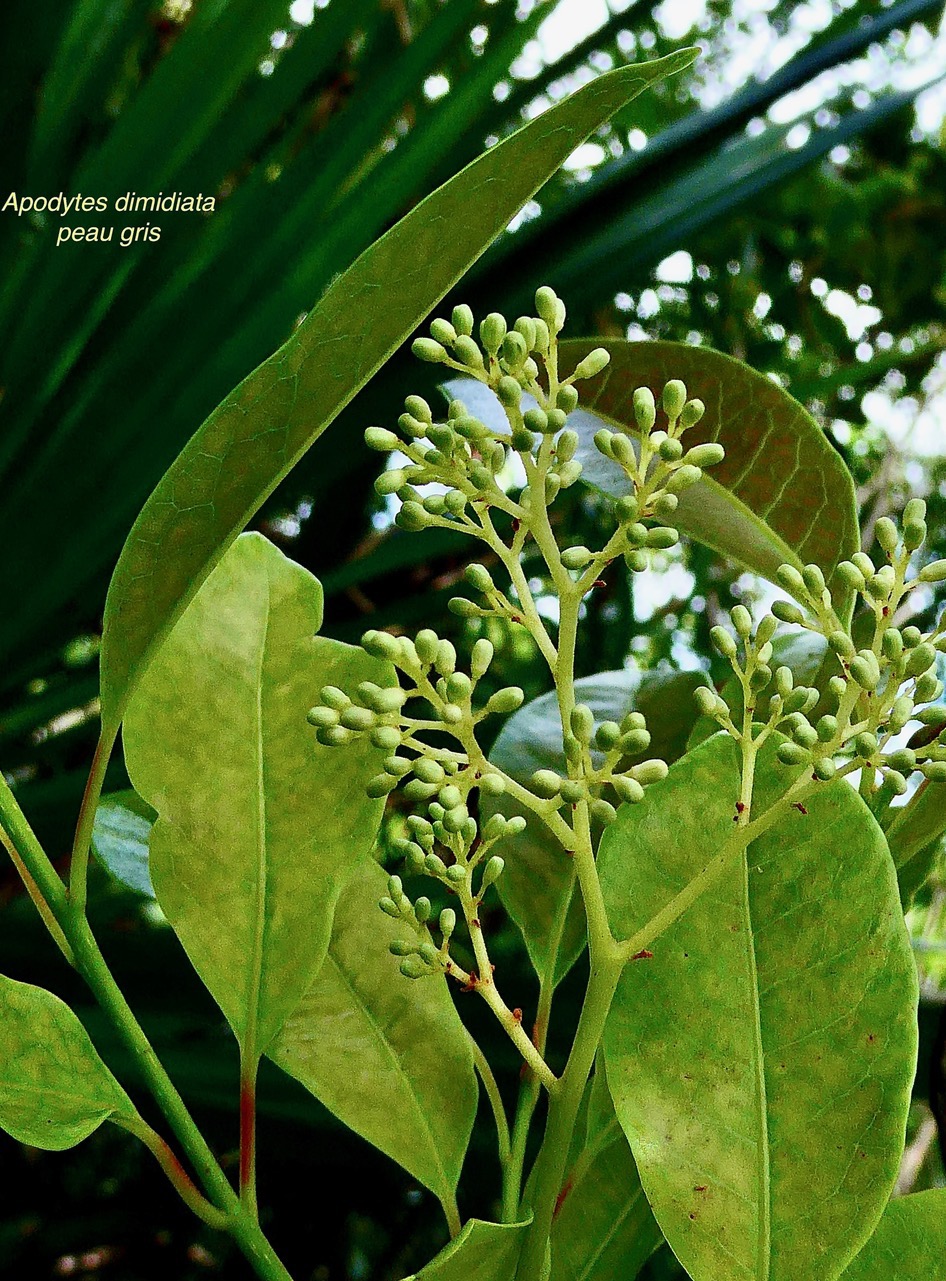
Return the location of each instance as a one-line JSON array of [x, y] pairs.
[[658, 467], [599, 771], [464, 456], [883, 682]]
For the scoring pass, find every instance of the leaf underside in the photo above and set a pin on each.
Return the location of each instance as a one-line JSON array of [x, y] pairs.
[[251, 847], [482, 1252], [389, 1057], [761, 1062], [909, 1243], [120, 837], [54, 1089]]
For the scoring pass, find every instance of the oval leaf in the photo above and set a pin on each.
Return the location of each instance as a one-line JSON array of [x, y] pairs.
[[120, 835], [761, 1062], [261, 430], [251, 847], [54, 1089], [538, 887], [482, 1252], [387, 1055], [909, 1244], [781, 495]]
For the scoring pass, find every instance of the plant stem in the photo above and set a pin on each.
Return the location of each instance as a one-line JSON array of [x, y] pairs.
[[79, 865], [176, 1173], [249, 1067], [91, 965]]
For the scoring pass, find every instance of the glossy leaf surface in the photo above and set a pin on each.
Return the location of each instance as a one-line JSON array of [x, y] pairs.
[[257, 434], [120, 836], [54, 1089], [482, 1252], [251, 847], [761, 1062], [387, 1055], [914, 836], [909, 1244], [539, 875], [781, 494]]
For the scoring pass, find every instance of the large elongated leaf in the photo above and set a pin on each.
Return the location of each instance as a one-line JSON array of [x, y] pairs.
[[604, 1229], [54, 1089], [261, 430], [761, 1062], [538, 888], [909, 1244], [388, 1056], [482, 1252], [252, 845], [781, 495]]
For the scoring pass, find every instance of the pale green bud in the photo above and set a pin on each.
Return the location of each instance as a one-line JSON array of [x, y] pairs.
[[447, 922], [629, 790], [567, 399], [430, 350], [576, 557], [381, 440], [545, 783], [435, 866], [412, 517], [546, 304], [386, 737], [412, 967], [707, 455], [481, 657], [418, 408], [741, 620], [914, 512], [645, 409], [766, 630], [607, 735], [920, 659], [634, 741], [636, 534], [935, 771], [582, 723], [622, 450], [934, 572], [929, 715], [323, 717], [662, 537], [787, 612], [463, 319], [914, 535], [443, 332], [902, 760], [928, 688], [665, 505], [492, 784], [804, 734], [865, 745], [381, 785], [593, 363], [837, 686], [335, 698], [723, 642], [464, 608], [459, 687], [573, 791], [426, 642], [693, 411], [493, 331], [566, 446], [446, 658], [827, 727], [506, 700], [789, 578], [389, 482], [881, 585], [674, 398], [887, 534], [851, 576], [900, 713], [603, 811], [569, 472], [864, 563], [648, 772], [525, 325], [536, 420], [670, 449], [784, 681], [684, 476], [397, 766], [824, 768], [451, 714], [792, 754], [399, 947], [467, 352], [514, 351], [841, 644], [706, 698], [428, 770], [813, 580], [636, 561], [515, 826], [864, 671], [492, 872]]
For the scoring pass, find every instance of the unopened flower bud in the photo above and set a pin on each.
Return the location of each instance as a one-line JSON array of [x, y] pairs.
[[850, 576], [684, 476], [467, 352], [691, 414], [592, 364], [707, 455], [824, 768], [662, 537], [576, 557], [645, 409], [792, 754], [567, 399], [920, 659], [607, 735], [705, 699], [545, 783], [492, 784], [582, 723], [723, 642], [934, 572], [628, 790], [493, 331], [492, 872], [827, 727], [787, 612], [430, 350], [648, 772], [603, 811], [412, 967], [674, 398], [506, 700]]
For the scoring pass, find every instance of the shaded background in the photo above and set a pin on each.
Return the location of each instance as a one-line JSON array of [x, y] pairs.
[[784, 200]]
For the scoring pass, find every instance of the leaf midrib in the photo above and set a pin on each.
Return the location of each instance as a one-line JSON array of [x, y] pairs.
[[249, 1046], [764, 1259]]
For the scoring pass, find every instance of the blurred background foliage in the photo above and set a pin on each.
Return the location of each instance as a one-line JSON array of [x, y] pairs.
[[783, 201]]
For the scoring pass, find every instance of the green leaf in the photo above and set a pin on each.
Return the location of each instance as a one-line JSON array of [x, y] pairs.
[[258, 433], [604, 1229], [782, 495], [387, 1055], [909, 1244], [761, 1062], [54, 1089], [482, 1252], [538, 887], [123, 823], [914, 836], [251, 847]]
